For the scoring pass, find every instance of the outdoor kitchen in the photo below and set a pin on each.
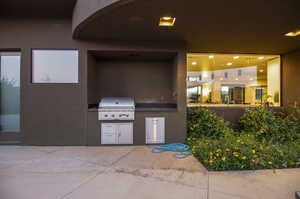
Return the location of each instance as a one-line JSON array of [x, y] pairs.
[[132, 97]]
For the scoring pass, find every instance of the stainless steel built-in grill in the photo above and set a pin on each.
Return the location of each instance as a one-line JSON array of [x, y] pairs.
[[116, 109]]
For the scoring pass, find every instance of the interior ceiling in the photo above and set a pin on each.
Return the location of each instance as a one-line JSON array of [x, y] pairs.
[[219, 62], [207, 65], [36, 8], [233, 26]]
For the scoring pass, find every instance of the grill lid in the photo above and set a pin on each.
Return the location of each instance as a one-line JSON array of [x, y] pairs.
[[117, 102]]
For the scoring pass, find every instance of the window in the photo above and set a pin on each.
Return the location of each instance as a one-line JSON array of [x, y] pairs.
[[248, 80], [10, 92], [239, 72], [55, 66], [259, 93], [226, 75]]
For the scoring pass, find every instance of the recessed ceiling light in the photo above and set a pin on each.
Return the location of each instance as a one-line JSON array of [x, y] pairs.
[[293, 33], [194, 63], [260, 58], [229, 64], [167, 18], [167, 21], [211, 56], [236, 57]]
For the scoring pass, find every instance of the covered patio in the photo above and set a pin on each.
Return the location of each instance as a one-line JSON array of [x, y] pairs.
[[129, 172]]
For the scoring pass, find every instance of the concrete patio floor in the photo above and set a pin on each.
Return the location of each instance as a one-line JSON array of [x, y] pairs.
[[28, 172]]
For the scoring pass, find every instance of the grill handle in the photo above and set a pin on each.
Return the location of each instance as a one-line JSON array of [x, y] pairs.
[[126, 115]]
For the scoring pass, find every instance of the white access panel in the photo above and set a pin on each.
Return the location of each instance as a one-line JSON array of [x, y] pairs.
[[155, 130], [125, 133], [109, 133]]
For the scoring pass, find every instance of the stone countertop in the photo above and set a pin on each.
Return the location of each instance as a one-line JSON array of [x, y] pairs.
[[155, 109], [145, 108]]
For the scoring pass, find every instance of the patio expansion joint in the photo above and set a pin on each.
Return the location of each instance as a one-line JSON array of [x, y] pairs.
[[94, 176], [84, 183], [30, 160], [233, 195], [208, 187], [120, 158]]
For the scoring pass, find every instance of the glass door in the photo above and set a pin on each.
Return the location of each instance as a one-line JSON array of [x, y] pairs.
[[9, 93]]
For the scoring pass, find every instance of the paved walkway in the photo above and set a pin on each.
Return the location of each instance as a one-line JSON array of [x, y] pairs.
[[133, 172]]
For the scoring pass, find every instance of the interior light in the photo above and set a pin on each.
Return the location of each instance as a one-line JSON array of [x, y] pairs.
[[229, 63], [293, 33], [236, 57], [251, 79], [194, 63], [261, 70], [206, 91], [236, 78], [221, 78], [211, 56], [205, 75], [260, 58], [225, 88], [167, 18], [167, 21]]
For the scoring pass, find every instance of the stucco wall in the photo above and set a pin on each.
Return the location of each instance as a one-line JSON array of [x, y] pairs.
[[291, 78], [56, 114]]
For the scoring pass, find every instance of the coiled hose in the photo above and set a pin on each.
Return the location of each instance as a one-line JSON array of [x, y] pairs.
[[182, 150]]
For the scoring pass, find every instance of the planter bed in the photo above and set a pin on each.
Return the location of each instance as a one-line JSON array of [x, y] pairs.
[[264, 140]]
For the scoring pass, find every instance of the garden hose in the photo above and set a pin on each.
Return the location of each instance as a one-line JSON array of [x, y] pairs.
[[182, 150]]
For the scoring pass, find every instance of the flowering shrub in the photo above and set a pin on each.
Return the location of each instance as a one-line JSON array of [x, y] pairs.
[[252, 147], [265, 124], [203, 122]]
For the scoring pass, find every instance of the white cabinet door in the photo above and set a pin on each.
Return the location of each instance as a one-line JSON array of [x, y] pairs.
[[125, 131], [155, 130], [109, 133], [117, 133]]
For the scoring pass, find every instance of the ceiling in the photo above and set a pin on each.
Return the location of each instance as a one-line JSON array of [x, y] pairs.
[[36, 8], [222, 26], [132, 56], [218, 26]]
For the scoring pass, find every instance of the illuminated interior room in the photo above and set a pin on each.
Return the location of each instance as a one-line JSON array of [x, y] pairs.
[[233, 80]]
